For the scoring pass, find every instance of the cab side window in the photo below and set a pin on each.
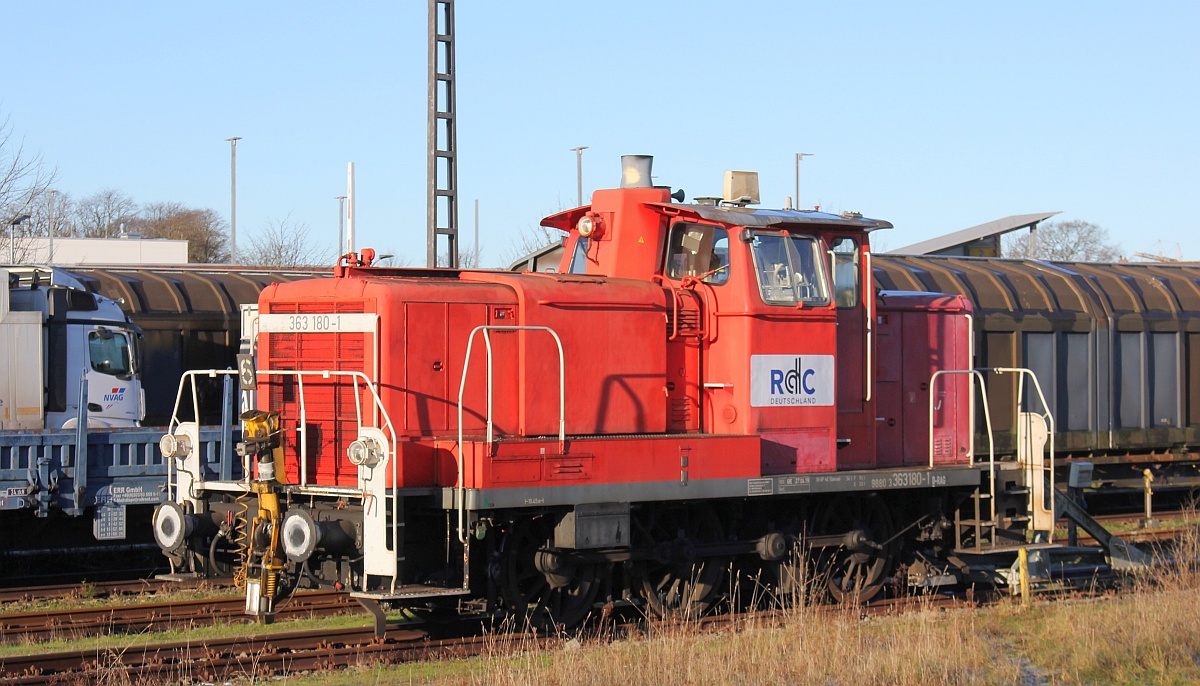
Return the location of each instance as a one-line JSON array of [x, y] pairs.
[[109, 352], [846, 256], [789, 269], [699, 250], [579, 257]]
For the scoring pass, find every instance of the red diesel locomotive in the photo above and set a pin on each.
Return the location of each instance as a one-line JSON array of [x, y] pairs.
[[701, 388]]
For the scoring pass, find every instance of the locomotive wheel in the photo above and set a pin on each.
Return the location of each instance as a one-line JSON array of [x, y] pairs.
[[558, 600], [791, 576], [677, 582], [854, 572], [792, 582]]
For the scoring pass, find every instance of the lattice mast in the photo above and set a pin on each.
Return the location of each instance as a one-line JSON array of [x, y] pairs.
[[442, 208]]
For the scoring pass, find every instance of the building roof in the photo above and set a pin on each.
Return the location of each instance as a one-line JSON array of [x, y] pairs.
[[992, 228]]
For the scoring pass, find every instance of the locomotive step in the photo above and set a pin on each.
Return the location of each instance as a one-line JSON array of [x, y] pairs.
[[410, 592], [1058, 549]]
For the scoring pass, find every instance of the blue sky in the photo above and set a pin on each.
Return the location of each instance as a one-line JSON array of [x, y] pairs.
[[934, 116]]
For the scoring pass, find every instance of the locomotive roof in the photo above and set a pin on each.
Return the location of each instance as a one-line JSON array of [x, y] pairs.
[[737, 216], [746, 216]]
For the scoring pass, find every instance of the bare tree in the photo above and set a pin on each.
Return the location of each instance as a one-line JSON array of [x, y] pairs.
[[283, 243], [52, 214], [103, 214], [204, 230], [24, 180], [466, 258], [1069, 241]]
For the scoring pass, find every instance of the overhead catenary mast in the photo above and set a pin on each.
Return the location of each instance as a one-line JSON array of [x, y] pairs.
[[442, 164]]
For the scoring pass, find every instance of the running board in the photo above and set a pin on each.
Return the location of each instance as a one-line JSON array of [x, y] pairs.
[[411, 592]]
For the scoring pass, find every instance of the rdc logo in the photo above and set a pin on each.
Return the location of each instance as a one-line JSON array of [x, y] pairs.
[[795, 381], [791, 380]]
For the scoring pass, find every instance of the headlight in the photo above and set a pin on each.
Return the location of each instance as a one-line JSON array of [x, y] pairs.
[[365, 452], [175, 445], [589, 225]]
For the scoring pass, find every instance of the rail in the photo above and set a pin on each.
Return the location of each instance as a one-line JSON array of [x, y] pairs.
[[461, 489]]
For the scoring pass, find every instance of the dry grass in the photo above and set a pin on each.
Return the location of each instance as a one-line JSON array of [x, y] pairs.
[[1148, 634]]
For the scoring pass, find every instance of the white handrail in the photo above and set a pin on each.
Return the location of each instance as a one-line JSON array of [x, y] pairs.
[[188, 377], [977, 373], [461, 489], [393, 448], [326, 374], [1047, 415], [987, 418]]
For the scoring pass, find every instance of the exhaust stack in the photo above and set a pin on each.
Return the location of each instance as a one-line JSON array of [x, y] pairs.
[[635, 171]]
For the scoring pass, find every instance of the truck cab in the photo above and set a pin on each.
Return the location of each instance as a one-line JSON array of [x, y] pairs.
[[56, 335]]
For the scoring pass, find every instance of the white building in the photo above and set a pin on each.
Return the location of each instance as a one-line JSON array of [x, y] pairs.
[[106, 251]]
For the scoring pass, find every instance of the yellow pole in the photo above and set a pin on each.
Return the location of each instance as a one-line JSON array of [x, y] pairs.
[[1023, 557], [1148, 481]]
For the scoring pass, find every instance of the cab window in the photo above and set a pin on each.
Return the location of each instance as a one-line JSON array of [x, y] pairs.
[[579, 257], [845, 271], [109, 352], [789, 269], [699, 250]]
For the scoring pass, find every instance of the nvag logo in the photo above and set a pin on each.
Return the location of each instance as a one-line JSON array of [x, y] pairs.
[[116, 396], [791, 380]]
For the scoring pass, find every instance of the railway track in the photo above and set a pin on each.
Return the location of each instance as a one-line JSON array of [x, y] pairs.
[[80, 622], [257, 656], [263, 656], [1156, 535], [100, 589]]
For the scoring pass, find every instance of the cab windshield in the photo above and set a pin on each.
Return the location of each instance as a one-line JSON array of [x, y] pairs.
[[110, 353], [789, 269]]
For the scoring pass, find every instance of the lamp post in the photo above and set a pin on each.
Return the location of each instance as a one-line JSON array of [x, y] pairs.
[[12, 237], [233, 198], [799, 156], [53, 195], [341, 249], [579, 172]]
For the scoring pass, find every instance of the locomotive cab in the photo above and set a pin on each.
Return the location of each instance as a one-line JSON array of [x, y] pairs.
[[770, 330]]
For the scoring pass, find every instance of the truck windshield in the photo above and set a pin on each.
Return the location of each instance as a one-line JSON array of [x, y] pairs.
[[110, 352], [789, 269]]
